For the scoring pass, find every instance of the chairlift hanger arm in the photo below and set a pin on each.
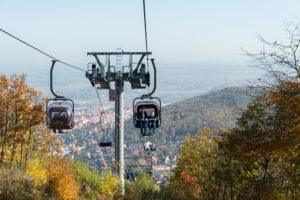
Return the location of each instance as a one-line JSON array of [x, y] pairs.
[[51, 81], [98, 61], [100, 64], [101, 127], [139, 63], [155, 80], [154, 69]]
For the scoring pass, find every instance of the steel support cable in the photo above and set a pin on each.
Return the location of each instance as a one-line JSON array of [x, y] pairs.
[[146, 35], [42, 52], [145, 26]]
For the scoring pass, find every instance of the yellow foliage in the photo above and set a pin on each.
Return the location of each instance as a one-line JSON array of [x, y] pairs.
[[36, 168], [62, 179], [193, 177], [109, 186]]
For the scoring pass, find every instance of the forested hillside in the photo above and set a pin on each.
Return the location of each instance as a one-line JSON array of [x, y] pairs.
[[217, 109], [259, 157], [31, 163]]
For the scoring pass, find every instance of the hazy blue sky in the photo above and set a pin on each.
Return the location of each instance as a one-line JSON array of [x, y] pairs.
[[179, 30]]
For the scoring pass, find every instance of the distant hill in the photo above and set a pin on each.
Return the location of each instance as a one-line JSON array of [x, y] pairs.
[[217, 109]]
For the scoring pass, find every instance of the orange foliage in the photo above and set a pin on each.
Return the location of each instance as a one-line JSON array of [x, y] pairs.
[[287, 104], [62, 179], [190, 182], [21, 114]]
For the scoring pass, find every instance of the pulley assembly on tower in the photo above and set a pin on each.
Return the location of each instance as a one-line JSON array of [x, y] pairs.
[[146, 109]]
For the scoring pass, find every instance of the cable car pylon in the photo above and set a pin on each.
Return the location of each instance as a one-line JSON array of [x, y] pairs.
[[103, 74]]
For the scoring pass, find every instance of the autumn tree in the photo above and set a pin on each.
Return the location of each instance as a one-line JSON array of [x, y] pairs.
[[266, 140], [21, 115], [203, 171], [280, 60]]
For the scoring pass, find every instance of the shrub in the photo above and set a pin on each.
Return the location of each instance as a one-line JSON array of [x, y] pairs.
[[37, 169], [15, 184], [62, 179], [109, 186], [89, 181]]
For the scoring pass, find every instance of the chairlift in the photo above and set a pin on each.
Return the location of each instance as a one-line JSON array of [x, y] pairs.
[[59, 110], [152, 107], [60, 114], [105, 141], [149, 147], [147, 109]]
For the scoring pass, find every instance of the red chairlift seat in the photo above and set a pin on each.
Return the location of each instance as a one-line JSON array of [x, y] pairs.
[[60, 114]]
